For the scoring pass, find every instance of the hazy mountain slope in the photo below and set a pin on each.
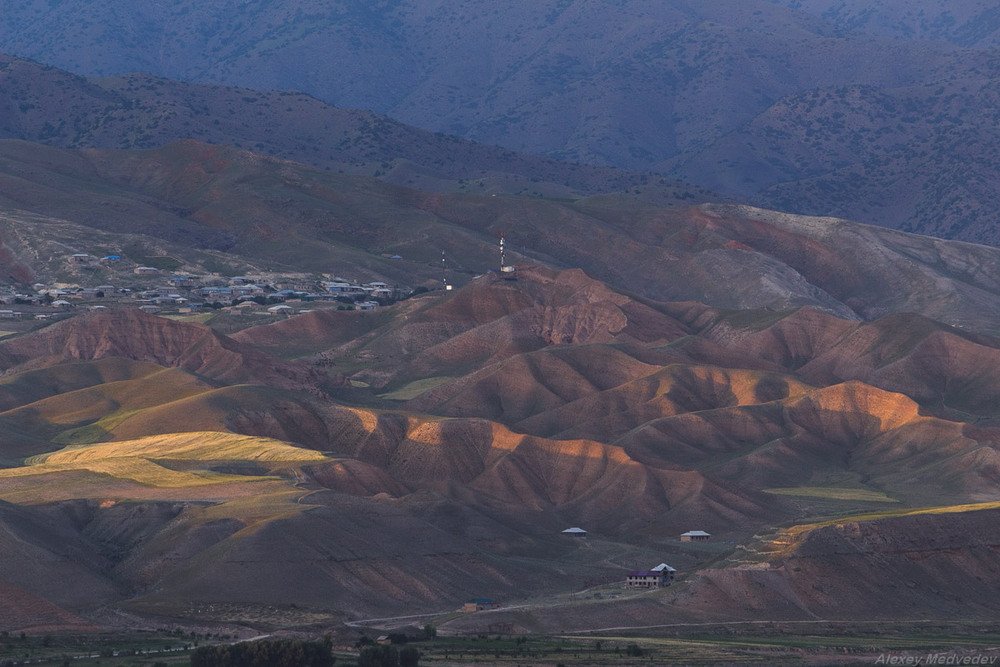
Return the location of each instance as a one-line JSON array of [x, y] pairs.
[[822, 108], [969, 23], [34, 613], [585, 63], [918, 158], [51, 106]]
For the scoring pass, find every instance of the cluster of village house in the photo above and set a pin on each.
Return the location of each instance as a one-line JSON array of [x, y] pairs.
[[659, 576], [155, 290]]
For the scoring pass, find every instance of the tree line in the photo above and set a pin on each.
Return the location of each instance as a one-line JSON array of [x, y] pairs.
[[265, 653]]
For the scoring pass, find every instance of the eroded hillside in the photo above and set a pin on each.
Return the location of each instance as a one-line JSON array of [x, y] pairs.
[[174, 466]]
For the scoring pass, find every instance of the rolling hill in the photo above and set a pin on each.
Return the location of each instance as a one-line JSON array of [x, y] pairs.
[[194, 201], [173, 466]]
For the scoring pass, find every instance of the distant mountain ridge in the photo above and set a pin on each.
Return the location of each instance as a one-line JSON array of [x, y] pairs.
[[881, 115], [973, 24], [47, 105]]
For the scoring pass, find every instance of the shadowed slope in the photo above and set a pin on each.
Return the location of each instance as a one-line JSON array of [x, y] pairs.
[[920, 564], [40, 555], [28, 612], [936, 565]]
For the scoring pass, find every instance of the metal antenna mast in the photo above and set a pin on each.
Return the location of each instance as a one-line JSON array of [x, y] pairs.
[[444, 274], [503, 258]]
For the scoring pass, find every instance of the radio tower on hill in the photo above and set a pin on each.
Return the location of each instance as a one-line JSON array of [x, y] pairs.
[[504, 268], [444, 274]]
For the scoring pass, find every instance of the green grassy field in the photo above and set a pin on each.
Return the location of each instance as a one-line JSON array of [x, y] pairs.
[[833, 493], [414, 389], [748, 643], [760, 643]]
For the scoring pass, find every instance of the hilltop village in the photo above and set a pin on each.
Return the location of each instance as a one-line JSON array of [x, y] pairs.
[[168, 291]]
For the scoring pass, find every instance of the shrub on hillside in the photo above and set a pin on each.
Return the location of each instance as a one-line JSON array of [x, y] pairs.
[[379, 656]]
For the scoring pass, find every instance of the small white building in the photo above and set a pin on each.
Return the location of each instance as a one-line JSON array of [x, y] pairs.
[[575, 532]]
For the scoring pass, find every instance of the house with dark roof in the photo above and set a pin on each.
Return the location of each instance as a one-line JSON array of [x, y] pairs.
[[695, 536]]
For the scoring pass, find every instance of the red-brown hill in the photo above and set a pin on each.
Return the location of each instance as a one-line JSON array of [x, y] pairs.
[[132, 334], [914, 566], [499, 414]]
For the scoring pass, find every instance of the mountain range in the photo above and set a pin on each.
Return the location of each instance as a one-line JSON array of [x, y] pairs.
[[876, 115], [817, 393]]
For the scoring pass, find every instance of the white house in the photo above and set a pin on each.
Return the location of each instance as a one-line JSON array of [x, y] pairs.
[[575, 532]]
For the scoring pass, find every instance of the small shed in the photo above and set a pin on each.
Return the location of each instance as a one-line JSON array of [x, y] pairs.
[[480, 604], [695, 536], [575, 532]]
